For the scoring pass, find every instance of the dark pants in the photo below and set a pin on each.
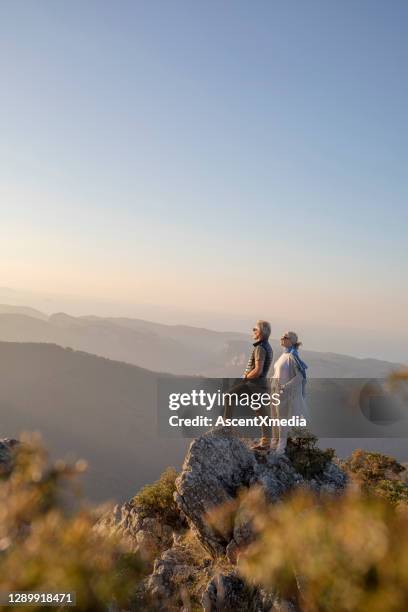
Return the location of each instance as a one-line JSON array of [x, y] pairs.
[[249, 387]]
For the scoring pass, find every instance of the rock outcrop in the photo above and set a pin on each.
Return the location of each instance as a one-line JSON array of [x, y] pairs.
[[219, 465], [147, 535], [228, 592], [193, 562], [174, 571]]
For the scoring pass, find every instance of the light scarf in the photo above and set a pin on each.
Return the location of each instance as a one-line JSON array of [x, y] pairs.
[[302, 366]]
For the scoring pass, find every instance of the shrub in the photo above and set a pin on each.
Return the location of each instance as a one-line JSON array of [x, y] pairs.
[[394, 491], [307, 459], [371, 467], [157, 499], [378, 474]]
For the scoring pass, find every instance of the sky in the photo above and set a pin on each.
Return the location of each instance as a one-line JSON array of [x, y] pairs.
[[209, 163]]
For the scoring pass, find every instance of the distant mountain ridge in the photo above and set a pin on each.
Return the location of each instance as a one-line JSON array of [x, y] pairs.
[[103, 411], [90, 407], [177, 349], [24, 310]]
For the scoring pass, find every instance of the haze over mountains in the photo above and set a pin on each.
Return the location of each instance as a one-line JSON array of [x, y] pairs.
[[86, 406], [176, 349], [97, 407], [103, 411]]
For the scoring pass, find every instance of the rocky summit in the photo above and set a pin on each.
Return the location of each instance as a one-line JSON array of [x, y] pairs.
[[218, 465], [193, 560]]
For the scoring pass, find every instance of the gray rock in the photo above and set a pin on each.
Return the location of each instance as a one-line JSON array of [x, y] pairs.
[[147, 535], [217, 466], [173, 574], [229, 593]]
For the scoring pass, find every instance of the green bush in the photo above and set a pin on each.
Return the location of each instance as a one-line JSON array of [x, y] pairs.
[[307, 459], [394, 491], [378, 474], [157, 499], [371, 467]]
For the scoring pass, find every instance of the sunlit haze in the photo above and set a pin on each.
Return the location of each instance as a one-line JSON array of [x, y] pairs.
[[209, 164]]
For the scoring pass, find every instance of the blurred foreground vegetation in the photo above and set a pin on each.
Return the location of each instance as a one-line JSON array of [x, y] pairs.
[[342, 554], [347, 553], [47, 538]]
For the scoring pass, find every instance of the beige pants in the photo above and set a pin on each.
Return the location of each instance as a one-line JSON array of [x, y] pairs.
[[280, 432], [249, 387]]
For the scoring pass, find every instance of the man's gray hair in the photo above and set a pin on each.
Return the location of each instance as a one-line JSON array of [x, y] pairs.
[[265, 328]]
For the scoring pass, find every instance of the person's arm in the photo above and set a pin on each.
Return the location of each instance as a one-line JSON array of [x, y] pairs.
[[296, 379], [293, 381], [260, 354]]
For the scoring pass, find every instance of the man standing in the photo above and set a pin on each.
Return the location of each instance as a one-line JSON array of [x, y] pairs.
[[255, 376]]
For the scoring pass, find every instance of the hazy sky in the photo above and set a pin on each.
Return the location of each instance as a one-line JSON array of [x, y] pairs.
[[237, 157]]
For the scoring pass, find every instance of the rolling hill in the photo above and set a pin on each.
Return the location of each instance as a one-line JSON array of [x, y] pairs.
[[87, 406], [104, 411], [176, 349]]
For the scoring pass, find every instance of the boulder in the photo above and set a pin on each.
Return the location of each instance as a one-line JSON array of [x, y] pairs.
[[147, 535], [229, 593], [176, 574]]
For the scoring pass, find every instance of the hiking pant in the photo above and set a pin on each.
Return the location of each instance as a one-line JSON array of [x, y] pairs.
[[249, 387], [280, 432]]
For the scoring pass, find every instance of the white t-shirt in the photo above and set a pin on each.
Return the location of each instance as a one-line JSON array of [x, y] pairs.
[[281, 368]]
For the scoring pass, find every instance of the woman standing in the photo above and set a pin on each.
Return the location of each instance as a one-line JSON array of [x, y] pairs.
[[289, 379]]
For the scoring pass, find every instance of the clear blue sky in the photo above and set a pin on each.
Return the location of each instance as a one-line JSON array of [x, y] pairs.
[[200, 153]]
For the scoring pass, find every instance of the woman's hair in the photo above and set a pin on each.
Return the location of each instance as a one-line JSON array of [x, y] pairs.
[[293, 337], [265, 328]]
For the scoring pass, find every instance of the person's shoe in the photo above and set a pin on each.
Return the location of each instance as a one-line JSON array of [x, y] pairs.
[[260, 447]]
